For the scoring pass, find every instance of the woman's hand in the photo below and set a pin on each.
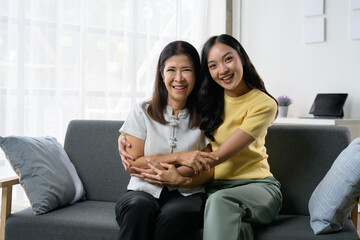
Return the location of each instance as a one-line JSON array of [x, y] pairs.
[[137, 172], [125, 157], [161, 173], [197, 160]]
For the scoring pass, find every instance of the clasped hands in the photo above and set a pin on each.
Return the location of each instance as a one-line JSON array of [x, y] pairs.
[[161, 173]]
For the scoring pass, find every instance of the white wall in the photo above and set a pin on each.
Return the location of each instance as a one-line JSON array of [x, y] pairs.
[[272, 34]]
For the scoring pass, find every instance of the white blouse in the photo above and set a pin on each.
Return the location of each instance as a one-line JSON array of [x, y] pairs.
[[160, 139]]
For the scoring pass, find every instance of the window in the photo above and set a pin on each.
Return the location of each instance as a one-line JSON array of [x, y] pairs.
[[85, 59]]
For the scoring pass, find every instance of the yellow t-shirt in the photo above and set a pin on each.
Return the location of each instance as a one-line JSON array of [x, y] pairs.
[[253, 113]]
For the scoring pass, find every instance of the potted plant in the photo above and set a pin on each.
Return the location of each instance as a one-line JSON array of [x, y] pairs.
[[284, 102]]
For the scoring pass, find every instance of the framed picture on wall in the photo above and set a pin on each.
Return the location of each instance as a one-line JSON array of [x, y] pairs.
[[313, 8], [314, 29], [355, 25], [355, 4]]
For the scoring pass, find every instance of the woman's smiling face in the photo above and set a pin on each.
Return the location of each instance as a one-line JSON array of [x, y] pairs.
[[226, 68], [179, 78]]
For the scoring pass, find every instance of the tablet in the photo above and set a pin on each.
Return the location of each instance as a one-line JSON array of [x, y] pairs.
[[328, 105]]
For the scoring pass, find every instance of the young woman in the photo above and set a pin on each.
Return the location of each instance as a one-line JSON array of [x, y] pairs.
[[161, 131], [236, 112]]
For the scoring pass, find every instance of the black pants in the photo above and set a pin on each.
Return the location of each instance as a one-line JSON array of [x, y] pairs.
[[172, 216]]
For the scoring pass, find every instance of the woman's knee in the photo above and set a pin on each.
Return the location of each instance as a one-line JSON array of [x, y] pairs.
[[138, 204], [174, 225], [222, 203], [177, 217], [219, 197], [188, 211]]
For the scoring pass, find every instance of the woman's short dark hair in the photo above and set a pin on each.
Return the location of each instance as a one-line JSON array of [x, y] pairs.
[[211, 96], [158, 102]]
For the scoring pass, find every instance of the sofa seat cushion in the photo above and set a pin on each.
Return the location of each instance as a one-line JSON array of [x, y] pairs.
[[297, 227], [83, 220]]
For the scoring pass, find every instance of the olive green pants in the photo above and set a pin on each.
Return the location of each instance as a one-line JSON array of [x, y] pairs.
[[234, 204]]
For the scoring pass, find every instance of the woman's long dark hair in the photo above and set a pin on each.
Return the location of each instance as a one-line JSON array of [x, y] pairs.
[[158, 102], [211, 96]]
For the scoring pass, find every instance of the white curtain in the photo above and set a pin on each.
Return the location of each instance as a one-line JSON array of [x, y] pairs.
[[86, 59]]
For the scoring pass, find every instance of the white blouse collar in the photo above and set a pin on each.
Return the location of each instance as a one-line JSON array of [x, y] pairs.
[[182, 114]]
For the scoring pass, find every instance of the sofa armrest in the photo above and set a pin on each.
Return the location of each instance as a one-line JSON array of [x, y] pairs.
[[6, 185], [354, 215]]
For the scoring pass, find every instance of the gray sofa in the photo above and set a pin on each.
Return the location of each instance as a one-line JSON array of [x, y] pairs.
[[299, 158]]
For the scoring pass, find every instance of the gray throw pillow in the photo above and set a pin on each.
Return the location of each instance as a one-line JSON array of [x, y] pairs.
[[331, 202], [48, 177]]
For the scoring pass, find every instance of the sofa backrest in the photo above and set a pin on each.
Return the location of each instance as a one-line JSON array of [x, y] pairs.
[[299, 157], [92, 147]]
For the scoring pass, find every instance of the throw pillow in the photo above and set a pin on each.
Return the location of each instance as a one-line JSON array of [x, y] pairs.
[[331, 202], [48, 177]]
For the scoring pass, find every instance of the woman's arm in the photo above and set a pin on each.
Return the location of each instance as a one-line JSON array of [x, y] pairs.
[[125, 157], [189, 172], [257, 120], [181, 177], [168, 174], [194, 159], [232, 145]]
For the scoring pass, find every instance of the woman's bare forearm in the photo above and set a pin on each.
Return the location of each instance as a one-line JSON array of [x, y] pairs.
[[235, 143], [175, 159], [141, 162], [197, 180]]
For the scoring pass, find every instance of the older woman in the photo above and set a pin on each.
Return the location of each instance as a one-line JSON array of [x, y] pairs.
[[163, 131]]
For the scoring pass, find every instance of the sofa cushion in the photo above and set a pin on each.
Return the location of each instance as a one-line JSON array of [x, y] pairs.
[[82, 220], [331, 203], [297, 227], [46, 173]]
